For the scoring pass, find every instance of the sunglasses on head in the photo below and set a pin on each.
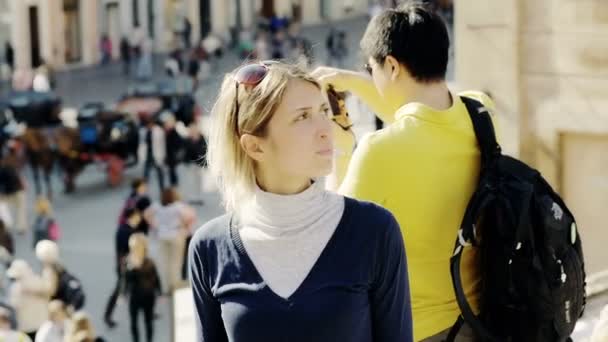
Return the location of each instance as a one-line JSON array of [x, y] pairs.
[[249, 75]]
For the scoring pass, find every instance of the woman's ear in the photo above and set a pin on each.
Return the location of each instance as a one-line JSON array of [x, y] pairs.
[[394, 67], [252, 146]]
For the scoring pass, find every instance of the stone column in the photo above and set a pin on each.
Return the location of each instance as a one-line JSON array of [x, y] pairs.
[[90, 32], [311, 12], [487, 51]]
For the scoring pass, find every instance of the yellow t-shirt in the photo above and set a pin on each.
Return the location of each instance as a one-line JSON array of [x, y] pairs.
[[424, 168]]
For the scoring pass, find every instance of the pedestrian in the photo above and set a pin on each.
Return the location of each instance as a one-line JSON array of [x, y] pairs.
[[125, 55], [59, 283], [81, 329], [7, 251], [174, 147], [44, 79], [45, 227], [6, 240], [28, 296], [123, 233], [290, 260], [262, 46], [429, 144], [337, 49], [54, 329], [9, 56], [139, 190], [6, 332], [105, 47], [155, 151], [194, 67], [47, 252], [129, 227], [171, 221], [12, 194], [279, 45], [144, 62], [141, 285], [187, 33], [195, 159]]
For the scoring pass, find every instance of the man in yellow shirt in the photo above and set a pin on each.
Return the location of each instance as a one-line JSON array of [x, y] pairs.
[[424, 166]]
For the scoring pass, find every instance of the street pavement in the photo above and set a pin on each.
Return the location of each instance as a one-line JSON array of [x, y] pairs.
[[88, 217]]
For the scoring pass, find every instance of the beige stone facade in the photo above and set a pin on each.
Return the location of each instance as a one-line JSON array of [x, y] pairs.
[[546, 64], [68, 32]]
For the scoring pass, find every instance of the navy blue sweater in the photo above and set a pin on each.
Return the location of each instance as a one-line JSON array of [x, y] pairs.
[[357, 291]]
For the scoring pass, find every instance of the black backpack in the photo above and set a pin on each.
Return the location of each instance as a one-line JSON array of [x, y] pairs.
[[69, 289], [530, 255]]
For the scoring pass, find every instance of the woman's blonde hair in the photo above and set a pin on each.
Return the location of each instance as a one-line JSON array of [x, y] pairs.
[[82, 328], [231, 167], [138, 249], [43, 206]]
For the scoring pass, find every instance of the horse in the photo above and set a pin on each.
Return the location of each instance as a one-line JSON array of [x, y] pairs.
[[46, 146]]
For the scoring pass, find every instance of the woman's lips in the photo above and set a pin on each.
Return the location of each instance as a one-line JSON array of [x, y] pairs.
[[326, 152]]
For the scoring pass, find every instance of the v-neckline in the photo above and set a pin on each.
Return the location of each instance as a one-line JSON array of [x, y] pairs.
[[235, 238]]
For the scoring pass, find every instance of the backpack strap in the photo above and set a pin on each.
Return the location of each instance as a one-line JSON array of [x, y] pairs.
[[490, 151], [484, 131]]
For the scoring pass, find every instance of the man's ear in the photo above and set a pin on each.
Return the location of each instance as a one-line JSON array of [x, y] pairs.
[[393, 66], [252, 146]]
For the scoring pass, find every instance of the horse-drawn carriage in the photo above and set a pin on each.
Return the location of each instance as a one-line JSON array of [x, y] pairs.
[[148, 101], [109, 137], [103, 136]]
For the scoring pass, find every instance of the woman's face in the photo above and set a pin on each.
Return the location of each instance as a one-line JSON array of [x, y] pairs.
[[299, 142]]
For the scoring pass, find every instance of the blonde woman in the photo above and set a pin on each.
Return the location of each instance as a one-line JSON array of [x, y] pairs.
[[141, 284], [81, 329], [291, 261]]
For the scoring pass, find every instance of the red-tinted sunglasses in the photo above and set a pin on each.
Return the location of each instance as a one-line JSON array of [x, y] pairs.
[[249, 75]]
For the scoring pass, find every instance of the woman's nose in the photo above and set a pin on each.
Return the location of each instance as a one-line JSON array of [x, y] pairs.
[[324, 127]]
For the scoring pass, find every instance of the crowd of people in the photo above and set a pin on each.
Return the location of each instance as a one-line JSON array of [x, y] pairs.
[[47, 305]]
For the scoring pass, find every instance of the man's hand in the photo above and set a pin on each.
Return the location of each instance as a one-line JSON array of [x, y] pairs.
[[359, 84]]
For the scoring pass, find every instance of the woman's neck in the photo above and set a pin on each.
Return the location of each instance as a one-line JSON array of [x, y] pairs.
[[282, 185]]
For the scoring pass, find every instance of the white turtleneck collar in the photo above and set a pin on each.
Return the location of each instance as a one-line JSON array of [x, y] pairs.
[[284, 235], [284, 215]]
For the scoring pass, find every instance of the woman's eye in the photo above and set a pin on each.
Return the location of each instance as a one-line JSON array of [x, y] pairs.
[[326, 111], [304, 116]]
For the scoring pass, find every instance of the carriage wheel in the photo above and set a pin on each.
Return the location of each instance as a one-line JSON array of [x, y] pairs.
[[115, 168]]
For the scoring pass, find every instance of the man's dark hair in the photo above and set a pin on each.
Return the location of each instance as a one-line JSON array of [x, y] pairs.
[[415, 35]]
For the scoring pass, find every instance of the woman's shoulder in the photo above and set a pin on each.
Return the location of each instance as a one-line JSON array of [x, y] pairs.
[[366, 212], [215, 231], [363, 215]]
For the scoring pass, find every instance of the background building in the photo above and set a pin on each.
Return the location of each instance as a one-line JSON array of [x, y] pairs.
[[68, 32], [546, 63]]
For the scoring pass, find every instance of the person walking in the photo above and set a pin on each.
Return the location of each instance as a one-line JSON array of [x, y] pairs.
[[155, 151], [171, 222], [174, 145], [125, 55], [28, 296], [132, 219], [141, 284]]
